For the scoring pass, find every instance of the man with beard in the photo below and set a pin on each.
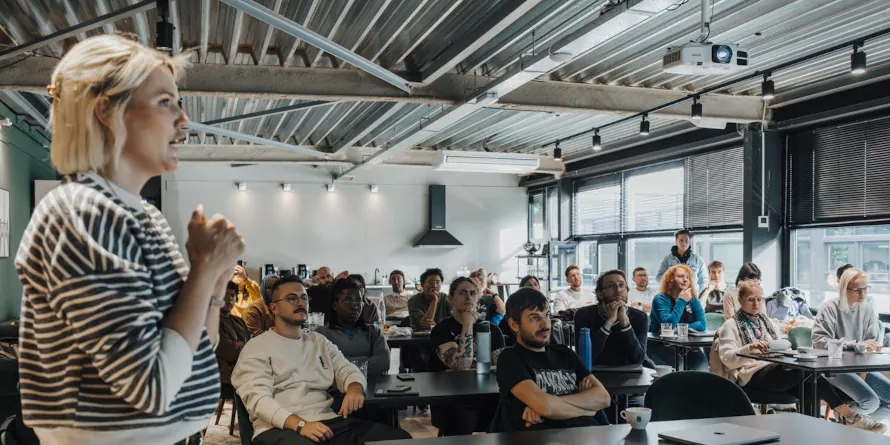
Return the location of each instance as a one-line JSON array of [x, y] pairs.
[[359, 341], [283, 376], [258, 318], [320, 294], [618, 333], [543, 386]]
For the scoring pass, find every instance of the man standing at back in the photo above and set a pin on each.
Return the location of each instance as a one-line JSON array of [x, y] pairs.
[[543, 386], [682, 253]]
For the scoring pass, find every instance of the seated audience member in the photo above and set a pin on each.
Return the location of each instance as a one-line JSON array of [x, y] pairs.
[[491, 307], [617, 332], [320, 294], [788, 303], [543, 385], [748, 271], [849, 318], [397, 301], [248, 291], [712, 296], [283, 377], [454, 347], [750, 331], [574, 297], [840, 272], [358, 340], [676, 303], [530, 281], [257, 317], [370, 314], [233, 334], [640, 296], [430, 306]]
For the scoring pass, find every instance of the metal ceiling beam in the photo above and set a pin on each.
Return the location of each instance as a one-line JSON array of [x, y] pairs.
[[83, 27], [343, 13], [235, 37], [262, 82], [271, 112], [470, 43], [103, 9], [608, 25], [26, 106], [177, 31], [261, 46], [367, 125], [299, 31], [142, 29], [205, 30], [256, 140], [830, 86]]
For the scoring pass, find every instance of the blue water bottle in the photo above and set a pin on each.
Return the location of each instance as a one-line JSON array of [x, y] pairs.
[[584, 348]]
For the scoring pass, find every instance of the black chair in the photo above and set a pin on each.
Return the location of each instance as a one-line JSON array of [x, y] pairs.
[[696, 395], [226, 392], [245, 428], [767, 398]]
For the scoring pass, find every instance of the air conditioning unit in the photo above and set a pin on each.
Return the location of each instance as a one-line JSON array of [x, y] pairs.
[[482, 161]]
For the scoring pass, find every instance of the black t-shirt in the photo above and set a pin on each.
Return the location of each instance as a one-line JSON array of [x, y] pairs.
[[486, 307], [557, 371], [448, 331]]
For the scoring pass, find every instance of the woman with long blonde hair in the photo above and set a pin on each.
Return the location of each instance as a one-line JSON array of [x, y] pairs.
[[677, 303], [117, 332]]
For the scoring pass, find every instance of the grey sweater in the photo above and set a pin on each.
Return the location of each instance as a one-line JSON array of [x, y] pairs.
[[363, 344], [853, 325]]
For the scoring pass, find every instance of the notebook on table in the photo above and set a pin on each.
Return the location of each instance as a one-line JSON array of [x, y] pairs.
[[816, 352], [701, 333], [623, 368], [720, 434]]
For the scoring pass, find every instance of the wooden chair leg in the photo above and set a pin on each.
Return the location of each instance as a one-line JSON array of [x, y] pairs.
[[219, 407], [232, 421], [764, 408], [827, 410]]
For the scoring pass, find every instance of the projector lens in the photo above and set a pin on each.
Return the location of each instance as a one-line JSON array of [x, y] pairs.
[[721, 54]]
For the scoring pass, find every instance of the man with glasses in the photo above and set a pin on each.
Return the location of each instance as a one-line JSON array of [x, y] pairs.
[[617, 332], [283, 376]]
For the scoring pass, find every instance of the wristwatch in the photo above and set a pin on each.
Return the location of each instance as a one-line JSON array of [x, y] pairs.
[[300, 426]]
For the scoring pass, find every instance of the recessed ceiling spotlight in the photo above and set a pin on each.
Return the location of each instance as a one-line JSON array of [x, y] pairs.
[[242, 186], [285, 187]]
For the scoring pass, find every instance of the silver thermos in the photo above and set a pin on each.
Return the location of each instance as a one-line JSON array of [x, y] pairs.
[[483, 347]]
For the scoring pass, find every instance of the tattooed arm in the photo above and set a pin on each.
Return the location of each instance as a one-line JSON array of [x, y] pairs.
[[459, 355]]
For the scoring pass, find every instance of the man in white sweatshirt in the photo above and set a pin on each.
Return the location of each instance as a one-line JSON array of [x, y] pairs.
[[283, 375]]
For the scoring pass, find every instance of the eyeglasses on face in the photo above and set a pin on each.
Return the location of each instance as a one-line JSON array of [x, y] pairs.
[[294, 299], [859, 290], [616, 286]]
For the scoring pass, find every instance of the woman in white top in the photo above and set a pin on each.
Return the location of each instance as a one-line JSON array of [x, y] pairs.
[[748, 271], [750, 331], [109, 302]]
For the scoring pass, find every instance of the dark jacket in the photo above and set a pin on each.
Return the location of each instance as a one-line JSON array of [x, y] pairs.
[[320, 299], [614, 346], [231, 330], [418, 305]]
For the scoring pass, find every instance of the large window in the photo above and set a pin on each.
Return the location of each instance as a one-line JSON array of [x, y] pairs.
[[723, 247], [598, 206], [648, 253], [817, 253], [552, 213], [536, 216], [655, 200]]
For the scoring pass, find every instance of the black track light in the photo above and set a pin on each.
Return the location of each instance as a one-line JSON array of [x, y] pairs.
[[696, 109], [597, 141], [557, 153], [644, 127], [858, 62], [767, 88]]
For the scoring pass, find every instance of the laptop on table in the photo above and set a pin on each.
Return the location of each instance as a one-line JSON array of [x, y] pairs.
[[719, 434]]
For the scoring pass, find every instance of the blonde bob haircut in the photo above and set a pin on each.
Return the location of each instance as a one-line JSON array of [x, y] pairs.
[[847, 278], [106, 66], [668, 281]]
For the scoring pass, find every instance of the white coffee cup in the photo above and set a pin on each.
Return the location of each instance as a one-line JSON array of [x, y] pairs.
[[663, 370], [638, 418]]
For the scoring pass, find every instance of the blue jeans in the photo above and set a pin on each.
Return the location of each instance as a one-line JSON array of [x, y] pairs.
[[663, 354], [871, 396]]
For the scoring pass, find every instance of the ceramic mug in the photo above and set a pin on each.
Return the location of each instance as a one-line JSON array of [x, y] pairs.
[[663, 370], [638, 418], [859, 348]]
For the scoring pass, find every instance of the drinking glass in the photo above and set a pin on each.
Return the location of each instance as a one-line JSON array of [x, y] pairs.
[[667, 329], [835, 349], [682, 330]]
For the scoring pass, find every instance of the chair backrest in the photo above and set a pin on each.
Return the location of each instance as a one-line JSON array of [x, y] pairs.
[[714, 320], [882, 336], [696, 395], [245, 428], [801, 336]]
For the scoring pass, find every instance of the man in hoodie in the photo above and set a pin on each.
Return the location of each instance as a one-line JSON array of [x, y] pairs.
[[682, 253], [257, 317], [283, 376]]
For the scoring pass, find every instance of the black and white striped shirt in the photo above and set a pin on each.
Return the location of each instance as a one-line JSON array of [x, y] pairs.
[[100, 272]]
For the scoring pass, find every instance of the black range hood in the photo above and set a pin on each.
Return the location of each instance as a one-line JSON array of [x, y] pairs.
[[437, 236]]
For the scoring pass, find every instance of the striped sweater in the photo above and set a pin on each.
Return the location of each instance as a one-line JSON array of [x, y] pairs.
[[100, 272]]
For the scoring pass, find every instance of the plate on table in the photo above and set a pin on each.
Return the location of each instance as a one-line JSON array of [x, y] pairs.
[[668, 336], [805, 358]]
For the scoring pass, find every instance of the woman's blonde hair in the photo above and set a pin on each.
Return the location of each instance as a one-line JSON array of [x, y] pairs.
[[668, 281], [847, 278], [746, 288], [103, 66]]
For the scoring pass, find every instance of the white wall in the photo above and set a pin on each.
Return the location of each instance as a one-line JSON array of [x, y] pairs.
[[352, 228]]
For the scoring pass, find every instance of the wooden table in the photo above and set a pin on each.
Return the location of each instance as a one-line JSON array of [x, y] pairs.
[[398, 342], [823, 366], [442, 388], [794, 429], [682, 345]]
